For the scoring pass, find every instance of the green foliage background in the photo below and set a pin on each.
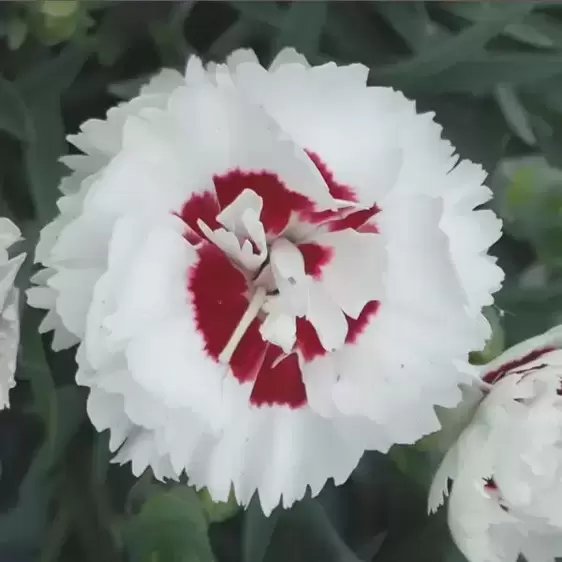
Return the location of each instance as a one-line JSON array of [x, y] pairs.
[[491, 71]]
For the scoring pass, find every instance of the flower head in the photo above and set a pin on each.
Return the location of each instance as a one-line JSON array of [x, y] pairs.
[[266, 268], [9, 309], [507, 464]]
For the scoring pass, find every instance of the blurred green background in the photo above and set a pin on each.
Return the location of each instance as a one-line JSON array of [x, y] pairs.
[[492, 72]]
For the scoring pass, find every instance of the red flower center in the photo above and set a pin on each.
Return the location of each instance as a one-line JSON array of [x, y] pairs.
[[221, 291]]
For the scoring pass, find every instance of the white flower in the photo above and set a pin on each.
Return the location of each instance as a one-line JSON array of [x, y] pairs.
[[270, 271], [507, 464], [9, 311]]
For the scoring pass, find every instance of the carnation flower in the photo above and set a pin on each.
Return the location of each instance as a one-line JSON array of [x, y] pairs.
[[506, 466], [9, 311], [269, 271]]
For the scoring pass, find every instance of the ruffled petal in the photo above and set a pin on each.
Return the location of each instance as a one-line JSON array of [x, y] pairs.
[[260, 284]]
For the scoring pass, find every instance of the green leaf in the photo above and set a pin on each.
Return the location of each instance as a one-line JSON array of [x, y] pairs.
[[170, 527], [71, 400], [56, 535], [478, 132], [496, 344], [545, 114], [100, 459], [91, 528], [412, 22], [304, 533], [301, 27], [35, 369], [55, 75], [111, 42], [356, 35], [459, 48], [484, 71], [530, 201], [17, 33], [44, 171], [41, 89], [25, 524], [427, 543], [515, 113], [169, 36], [217, 512], [413, 463], [14, 116], [257, 531], [536, 29], [100, 492], [59, 8], [315, 524], [141, 491], [263, 12], [544, 92], [237, 34], [528, 312]]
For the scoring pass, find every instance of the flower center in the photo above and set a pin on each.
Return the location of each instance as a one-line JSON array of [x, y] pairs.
[[280, 295], [262, 290]]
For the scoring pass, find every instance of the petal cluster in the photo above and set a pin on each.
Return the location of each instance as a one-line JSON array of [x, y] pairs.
[[506, 466], [264, 270], [9, 309]]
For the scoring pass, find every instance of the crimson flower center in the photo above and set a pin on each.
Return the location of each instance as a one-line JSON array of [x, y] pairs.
[[256, 289]]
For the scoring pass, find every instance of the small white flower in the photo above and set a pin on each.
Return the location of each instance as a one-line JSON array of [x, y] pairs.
[[9, 311], [506, 466], [269, 272]]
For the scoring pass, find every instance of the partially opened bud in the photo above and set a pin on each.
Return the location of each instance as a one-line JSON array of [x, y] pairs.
[[506, 466], [9, 309]]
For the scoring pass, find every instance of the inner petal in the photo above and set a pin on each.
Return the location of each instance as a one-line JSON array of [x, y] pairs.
[[279, 202], [231, 216], [264, 303], [309, 344], [200, 206], [243, 237]]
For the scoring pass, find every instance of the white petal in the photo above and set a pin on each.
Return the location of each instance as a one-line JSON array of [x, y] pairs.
[[320, 376], [447, 471], [8, 272], [280, 329], [241, 220], [319, 107], [328, 319], [353, 277], [9, 340], [542, 547], [187, 377], [9, 233], [231, 215], [288, 55], [241, 56], [74, 292], [165, 82], [106, 411]]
